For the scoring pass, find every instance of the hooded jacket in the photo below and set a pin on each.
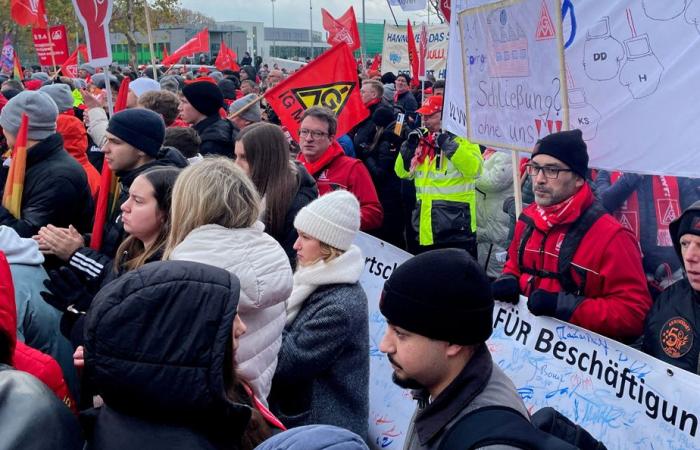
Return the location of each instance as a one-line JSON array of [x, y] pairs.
[[672, 327], [38, 323], [266, 281], [55, 191], [25, 358], [76, 143], [314, 437], [156, 346]]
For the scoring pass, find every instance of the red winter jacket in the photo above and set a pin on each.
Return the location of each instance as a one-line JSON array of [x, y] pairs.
[[75, 142], [615, 299], [25, 358], [344, 172]]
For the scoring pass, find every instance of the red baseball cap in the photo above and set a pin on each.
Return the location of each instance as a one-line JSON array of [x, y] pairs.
[[431, 105]]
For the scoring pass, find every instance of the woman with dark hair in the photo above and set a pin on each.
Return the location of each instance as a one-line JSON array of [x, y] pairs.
[[146, 218], [262, 152]]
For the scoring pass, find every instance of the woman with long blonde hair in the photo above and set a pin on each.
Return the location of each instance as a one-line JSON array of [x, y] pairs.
[[214, 220]]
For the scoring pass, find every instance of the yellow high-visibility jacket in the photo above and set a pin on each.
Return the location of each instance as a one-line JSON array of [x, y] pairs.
[[446, 198]]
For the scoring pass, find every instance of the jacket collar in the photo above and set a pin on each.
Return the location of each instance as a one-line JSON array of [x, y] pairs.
[[201, 126], [470, 382], [44, 148]]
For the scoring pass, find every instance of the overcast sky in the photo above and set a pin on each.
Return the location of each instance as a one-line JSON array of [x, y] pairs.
[[295, 13]]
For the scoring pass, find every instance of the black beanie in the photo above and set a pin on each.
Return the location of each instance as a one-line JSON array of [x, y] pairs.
[[568, 147], [139, 127], [383, 117], [441, 294], [204, 96], [687, 223]]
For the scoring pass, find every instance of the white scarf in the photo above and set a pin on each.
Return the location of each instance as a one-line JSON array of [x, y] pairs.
[[346, 268]]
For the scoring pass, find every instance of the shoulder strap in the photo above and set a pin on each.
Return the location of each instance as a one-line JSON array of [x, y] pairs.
[[498, 425], [572, 240], [527, 232]]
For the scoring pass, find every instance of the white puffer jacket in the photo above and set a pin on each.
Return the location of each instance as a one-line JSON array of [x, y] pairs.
[[493, 186], [263, 269]]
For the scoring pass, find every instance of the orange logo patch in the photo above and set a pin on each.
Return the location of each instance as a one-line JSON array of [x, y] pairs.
[[676, 337]]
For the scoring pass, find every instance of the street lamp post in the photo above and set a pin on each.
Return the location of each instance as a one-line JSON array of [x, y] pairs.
[[311, 32], [274, 36]]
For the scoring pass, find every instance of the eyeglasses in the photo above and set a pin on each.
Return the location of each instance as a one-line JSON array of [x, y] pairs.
[[550, 172], [314, 133]]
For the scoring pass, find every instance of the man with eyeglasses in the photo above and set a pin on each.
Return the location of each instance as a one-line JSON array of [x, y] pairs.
[[573, 260], [325, 160]]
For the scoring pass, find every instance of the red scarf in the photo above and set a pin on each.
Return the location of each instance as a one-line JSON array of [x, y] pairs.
[[666, 204], [426, 149], [334, 150], [396, 95], [547, 217], [373, 102]]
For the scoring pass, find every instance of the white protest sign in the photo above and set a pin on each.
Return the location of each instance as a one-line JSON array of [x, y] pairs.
[[513, 62], [395, 51], [412, 5], [625, 398], [632, 83]]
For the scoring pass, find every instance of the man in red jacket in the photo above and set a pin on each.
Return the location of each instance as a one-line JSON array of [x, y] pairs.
[[574, 261], [325, 160]]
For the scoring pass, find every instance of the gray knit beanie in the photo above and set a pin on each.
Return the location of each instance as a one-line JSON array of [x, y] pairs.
[[61, 95], [252, 113], [39, 107], [333, 219], [88, 68]]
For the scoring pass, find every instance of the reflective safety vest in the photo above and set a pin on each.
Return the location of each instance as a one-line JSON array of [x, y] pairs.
[[445, 190]]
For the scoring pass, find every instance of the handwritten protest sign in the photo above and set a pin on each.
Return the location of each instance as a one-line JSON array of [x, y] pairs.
[[625, 398], [513, 60], [395, 50]]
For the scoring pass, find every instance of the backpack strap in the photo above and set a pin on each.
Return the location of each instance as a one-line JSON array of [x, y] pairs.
[[498, 425], [571, 242]]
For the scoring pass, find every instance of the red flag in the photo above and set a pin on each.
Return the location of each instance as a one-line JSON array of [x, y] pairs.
[[70, 67], [226, 59], [330, 80], [376, 62], [198, 44], [107, 181], [445, 9], [29, 12], [412, 54], [165, 53], [14, 185], [422, 50], [343, 29]]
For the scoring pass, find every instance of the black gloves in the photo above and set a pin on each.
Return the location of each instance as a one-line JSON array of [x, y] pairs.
[[543, 303], [415, 136], [67, 292], [506, 288]]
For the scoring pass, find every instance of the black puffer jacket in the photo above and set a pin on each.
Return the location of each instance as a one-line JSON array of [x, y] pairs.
[[55, 192], [158, 348], [217, 135]]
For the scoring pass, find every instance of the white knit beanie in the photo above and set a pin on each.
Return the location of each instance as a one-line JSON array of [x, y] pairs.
[[333, 219]]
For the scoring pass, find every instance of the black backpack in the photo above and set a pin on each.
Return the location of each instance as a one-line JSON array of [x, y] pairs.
[[500, 425]]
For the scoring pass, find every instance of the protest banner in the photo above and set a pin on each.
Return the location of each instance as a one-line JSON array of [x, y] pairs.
[[513, 73], [624, 63], [56, 42], [331, 81], [395, 51], [95, 17], [625, 398]]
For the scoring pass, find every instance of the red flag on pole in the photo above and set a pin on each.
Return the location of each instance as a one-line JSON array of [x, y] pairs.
[[412, 54], [330, 80], [445, 9], [14, 185], [29, 12], [226, 59], [376, 62], [199, 43], [165, 53], [422, 50], [70, 67], [343, 29]]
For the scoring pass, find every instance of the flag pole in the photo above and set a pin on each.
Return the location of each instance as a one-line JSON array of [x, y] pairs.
[[245, 108], [517, 192], [150, 41], [392, 13], [53, 57], [108, 87]]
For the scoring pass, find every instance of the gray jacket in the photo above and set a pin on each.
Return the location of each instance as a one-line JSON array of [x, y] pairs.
[[481, 383], [322, 372]]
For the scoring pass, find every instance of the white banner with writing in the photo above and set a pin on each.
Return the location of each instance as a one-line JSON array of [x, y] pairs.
[[395, 51], [625, 398]]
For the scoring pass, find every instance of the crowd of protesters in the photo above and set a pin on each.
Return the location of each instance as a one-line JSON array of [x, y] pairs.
[[223, 305]]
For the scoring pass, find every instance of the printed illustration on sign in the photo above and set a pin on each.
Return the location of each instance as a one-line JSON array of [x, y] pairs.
[[582, 114], [602, 53], [507, 46], [692, 14], [676, 337], [663, 10], [333, 96], [545, 27]]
